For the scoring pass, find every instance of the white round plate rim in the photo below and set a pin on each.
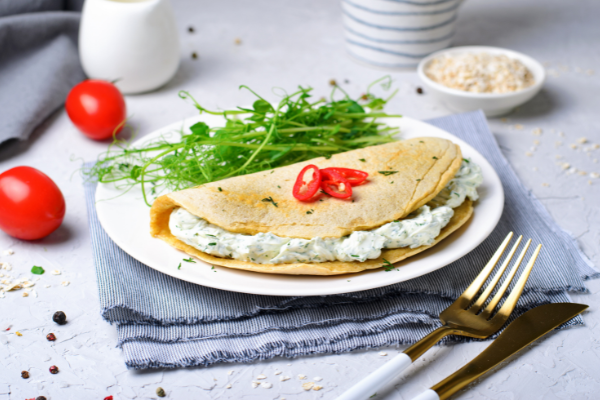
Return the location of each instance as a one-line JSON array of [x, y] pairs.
[[125, 218]]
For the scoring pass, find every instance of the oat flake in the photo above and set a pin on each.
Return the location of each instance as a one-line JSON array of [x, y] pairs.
[[308, 385]]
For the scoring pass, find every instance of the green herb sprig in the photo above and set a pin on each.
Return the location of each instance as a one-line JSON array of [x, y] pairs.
[[262, 137]]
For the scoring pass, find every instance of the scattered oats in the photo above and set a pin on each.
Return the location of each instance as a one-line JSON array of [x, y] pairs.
[[284, 378], [255, 384], [237, 41], [228, 386], [589, 182], [261, 376], [1, 275], [552, 72], [595, 160], [27, 284], [528, 154], [266, 385], [382, 353], [6, 266], [34, 293], [573, 146], [565, 165], [277, 372], [594, 175], [561, 133], [582, 173], [572, 170], [301, 376], [289, 365], [230, 372], [46, 286], [18, 333], [317, 387], [595, 146], [582, 140], [12, 286], [55, 272], [25, 294], [558, 143], [536, 142], [65, 283], [545, 184], [1, 294], [558, 156], [589, 72], [504, 120], [308, 385], [318, 379], [563, 68], [537, 131], [518, 126], [8, 252]]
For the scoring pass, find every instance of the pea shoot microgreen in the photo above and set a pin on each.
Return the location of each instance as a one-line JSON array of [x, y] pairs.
[[251, 139]]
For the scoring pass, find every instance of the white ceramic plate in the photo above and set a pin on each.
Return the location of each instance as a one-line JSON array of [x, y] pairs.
[[125, 217]]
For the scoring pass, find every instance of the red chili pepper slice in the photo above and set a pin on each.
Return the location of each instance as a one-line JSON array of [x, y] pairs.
[[303, 190], [354, 176], [335, 184]]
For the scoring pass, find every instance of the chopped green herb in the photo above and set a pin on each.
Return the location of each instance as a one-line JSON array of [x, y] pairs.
[[418, 180], [212, 244], [37, 270], [388, 266], [220, 190], [465, 160], [353, 255], [420, 141], [362, 159], [392, 182], [278, 186], [210, 235], [213, 267], [270, 200], [324, 192], [435, 158], [179, 266], [272, 171], [310, 211], [373, 395], [189, 260], [387, 173]]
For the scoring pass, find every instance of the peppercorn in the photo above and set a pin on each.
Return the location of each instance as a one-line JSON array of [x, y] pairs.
[[54, 369], [160, 392], [419, 90], [191, 29], [24, 374], [194, 55], [51, 337], [59, 317], [40, 398], [333, 82]]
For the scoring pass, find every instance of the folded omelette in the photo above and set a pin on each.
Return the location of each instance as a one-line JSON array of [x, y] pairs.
[[418, 192]]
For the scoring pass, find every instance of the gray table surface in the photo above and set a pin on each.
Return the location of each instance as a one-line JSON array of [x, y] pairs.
[[286, 43]]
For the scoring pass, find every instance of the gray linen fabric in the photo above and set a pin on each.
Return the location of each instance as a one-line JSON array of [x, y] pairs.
[[39, 62], [165, 322]]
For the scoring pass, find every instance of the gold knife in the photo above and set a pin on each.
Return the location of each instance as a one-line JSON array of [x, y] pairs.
[[527, 328]]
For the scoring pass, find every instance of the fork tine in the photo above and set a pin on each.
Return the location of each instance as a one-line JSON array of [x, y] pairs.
[[467, 296], [513, 298], [475, 308]]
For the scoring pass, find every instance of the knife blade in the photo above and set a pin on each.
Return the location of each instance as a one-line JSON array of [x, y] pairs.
[[529, 327]]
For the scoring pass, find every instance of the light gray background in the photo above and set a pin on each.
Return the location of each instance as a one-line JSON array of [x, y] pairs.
[[286, 43]]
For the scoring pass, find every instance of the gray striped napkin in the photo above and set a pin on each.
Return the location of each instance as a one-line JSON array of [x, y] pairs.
[[165, 322]]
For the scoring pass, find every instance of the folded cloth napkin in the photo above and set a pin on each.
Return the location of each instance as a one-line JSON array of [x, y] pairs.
[[39, 62], [165, 322]]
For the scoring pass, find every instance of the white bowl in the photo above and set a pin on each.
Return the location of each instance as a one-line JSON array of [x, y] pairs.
[[492, 104]]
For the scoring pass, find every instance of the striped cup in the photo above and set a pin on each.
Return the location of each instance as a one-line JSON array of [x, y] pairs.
[[398, 33]]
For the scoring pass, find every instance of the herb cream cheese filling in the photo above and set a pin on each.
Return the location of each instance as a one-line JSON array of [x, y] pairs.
[[419, 228]]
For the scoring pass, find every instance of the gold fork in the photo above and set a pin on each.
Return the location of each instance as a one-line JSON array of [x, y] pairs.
[[465, 317]]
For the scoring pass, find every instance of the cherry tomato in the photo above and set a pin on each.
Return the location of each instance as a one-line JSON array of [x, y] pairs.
[[31, 205], [97, 108]]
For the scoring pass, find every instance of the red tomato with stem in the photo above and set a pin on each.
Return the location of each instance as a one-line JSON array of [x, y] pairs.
[[31, 205], [97, 108]]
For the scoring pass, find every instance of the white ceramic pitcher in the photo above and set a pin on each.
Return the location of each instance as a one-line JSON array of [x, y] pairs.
[[132, 42]]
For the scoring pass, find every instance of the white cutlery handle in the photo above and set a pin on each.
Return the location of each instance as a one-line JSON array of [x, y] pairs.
[[428, 395], [384, 374]]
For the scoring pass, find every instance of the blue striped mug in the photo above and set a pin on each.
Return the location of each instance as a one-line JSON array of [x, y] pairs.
[[398, 33]]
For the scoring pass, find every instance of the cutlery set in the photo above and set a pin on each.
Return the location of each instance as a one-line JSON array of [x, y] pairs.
[[472, 315]]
